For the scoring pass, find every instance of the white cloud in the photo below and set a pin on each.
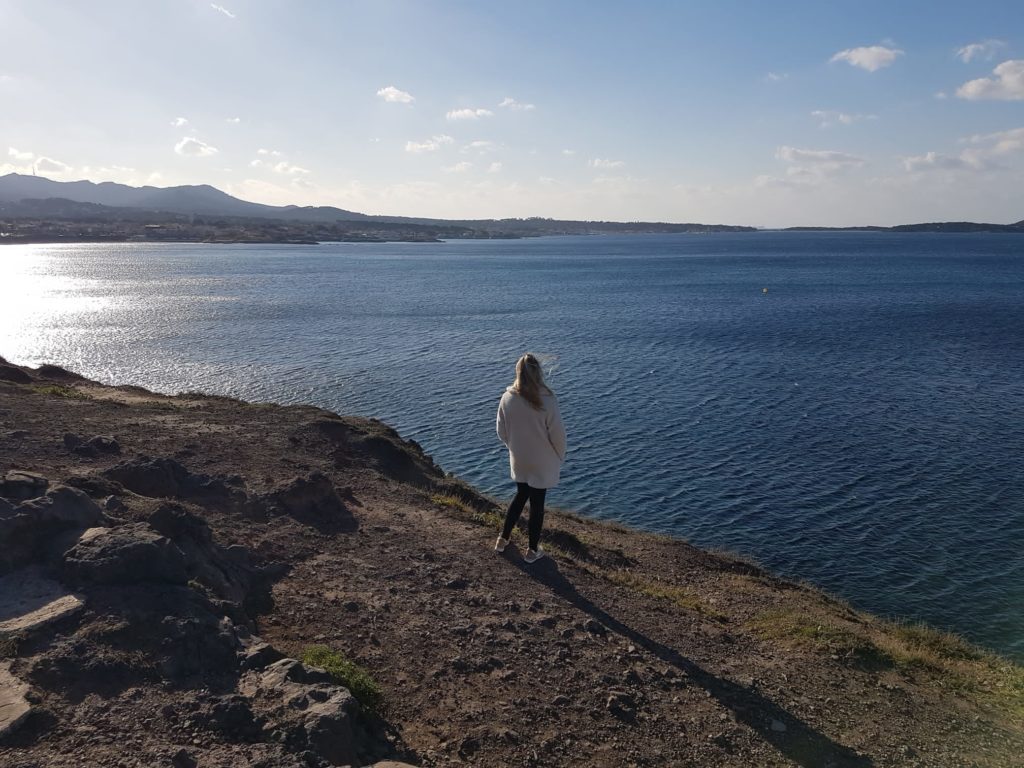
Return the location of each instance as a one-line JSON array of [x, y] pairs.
[[1007, 85], [829, 117], [987, 152], [940, 95], [49, 165], [289, 169], [494, 168], [19, 155], [933, 161], [597, 162], [817, 157], [480, 146], [461, 167], [395, 96], [222, 9], [568, 152], [190, 147], [430, 145], [986, 49], [516, 106], [178, 122], [468, 114], [870, 57], [233, 120], [268, 152], [1001, 142], [775, 77]]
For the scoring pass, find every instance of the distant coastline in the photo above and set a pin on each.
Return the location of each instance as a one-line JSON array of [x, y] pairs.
[[38, 210]]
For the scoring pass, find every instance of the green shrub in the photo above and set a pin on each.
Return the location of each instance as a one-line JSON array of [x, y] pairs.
[[58, 390], [347, 673]]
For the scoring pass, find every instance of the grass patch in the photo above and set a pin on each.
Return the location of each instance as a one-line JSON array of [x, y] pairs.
[[59, 390], [923, 645], [347, 673], [817, 634], [659, 590], [465, 512]]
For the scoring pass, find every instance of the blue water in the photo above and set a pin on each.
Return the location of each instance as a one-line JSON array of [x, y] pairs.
[[857, 425]]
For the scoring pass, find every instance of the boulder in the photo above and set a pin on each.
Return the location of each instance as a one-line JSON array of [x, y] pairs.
[[312, 500], [27, 529], [13, 373], [227, 571], [19, 485], [127, 554], [165, 478], [311, 711], [30, 600], [14, 706]]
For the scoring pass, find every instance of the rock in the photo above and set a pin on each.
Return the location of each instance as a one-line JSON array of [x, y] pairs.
[[182, 759], [29, 600], [13, 373], [458, 583], [391, 764], [14, 706], [19, 485], [561, 701], [778, 726], [256, 654], [56, 373], [166, 478], [28, 529], [232, 716], [594, 627], [306, 707], [127, 554], [622, 705], [94, 446], [312, 500], [227, 571]]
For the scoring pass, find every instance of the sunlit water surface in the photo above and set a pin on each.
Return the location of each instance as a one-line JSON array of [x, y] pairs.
[[857, 425]]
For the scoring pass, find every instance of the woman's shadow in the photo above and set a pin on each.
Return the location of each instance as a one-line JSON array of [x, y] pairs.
[[798, 741]]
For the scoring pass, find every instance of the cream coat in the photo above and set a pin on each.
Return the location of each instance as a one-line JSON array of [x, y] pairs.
[[535, 439]]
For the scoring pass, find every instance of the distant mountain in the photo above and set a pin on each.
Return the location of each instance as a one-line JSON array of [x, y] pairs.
[[210, 201], [201, 199]]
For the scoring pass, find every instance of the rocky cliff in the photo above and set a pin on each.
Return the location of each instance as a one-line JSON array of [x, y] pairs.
[[199, 581]]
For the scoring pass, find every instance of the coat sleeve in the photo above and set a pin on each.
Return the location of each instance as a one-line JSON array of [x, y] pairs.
[[556, 430], [502, 424]]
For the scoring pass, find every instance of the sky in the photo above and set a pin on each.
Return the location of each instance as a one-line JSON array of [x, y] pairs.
[[764, 114]]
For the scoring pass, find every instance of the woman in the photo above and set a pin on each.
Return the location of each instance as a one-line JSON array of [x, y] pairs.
[[530, 425]]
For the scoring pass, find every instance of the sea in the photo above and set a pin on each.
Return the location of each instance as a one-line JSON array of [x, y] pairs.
[[846, 408]]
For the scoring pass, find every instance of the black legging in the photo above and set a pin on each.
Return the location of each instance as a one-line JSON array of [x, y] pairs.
[[536, 497]]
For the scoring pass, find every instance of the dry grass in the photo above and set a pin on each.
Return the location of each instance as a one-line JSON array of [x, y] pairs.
[[659, 590], [464, 511], [59, 390], [815, 633]]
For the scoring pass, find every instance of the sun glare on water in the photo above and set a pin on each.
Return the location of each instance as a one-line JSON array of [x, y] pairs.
[[37, 303]]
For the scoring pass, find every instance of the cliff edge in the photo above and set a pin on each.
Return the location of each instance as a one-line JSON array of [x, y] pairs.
[[200, 581]]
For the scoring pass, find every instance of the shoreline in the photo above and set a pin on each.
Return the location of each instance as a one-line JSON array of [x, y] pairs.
[[651, 649]]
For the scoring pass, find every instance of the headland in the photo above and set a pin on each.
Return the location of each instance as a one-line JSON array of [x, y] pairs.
[[200, 581]]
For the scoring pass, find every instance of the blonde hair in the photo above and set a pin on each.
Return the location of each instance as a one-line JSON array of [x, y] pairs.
[[529, 381]]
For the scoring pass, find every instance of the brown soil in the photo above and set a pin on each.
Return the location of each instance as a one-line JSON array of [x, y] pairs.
[[622, 649]]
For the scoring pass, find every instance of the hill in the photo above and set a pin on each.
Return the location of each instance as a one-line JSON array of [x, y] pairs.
[[209, 201], [167, 563]]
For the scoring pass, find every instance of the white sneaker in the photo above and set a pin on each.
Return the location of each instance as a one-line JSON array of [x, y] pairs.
[[500, 544], [533, 555]]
